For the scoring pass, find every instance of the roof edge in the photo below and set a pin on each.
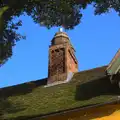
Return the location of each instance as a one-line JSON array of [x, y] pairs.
[[22, 83], [113, 59], [117, 101]]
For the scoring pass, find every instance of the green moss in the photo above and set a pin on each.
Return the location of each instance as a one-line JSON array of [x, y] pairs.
[[40, 100]]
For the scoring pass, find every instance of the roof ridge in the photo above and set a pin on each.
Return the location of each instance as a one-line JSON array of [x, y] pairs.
[[92, 69]]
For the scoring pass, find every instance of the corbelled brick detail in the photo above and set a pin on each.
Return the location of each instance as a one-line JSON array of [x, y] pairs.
[[62, 59]]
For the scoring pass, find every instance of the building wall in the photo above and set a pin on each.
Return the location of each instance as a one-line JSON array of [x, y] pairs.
[[107, 112]]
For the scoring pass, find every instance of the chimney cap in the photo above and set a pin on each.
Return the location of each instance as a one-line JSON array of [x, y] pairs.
[[60, 29]]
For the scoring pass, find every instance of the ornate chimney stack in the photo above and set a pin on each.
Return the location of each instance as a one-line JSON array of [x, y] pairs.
[[62, 60]]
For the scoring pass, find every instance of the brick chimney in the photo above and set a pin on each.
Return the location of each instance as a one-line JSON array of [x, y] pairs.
[[62, 60]]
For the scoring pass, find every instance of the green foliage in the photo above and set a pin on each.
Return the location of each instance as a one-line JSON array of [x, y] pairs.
[[103, 6], [48, 13]]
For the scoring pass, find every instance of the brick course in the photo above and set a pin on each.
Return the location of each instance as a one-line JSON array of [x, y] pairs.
[[62, 59]]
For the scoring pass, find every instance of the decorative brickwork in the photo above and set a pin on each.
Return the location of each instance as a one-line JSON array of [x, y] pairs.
[[57, 65], [61, 58]]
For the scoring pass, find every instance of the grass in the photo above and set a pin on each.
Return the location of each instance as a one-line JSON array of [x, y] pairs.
[[39, 100]]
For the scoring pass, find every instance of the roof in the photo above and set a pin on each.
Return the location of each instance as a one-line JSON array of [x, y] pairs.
[[71, 111], [86, 88], [60, 38], [114, 65]]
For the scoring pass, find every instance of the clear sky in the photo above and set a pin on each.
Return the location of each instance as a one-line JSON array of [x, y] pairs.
[[96, 40]]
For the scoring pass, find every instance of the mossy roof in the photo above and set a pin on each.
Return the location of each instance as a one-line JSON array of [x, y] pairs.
[[30, 99]]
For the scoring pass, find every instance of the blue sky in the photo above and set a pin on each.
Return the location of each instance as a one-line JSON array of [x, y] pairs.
[[96, 40]]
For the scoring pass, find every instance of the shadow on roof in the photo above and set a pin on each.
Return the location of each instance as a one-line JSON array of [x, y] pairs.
[[96, 88], [7, 107], [22, 89]]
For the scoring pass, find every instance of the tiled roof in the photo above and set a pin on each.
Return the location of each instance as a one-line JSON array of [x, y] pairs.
[[114, 66], [29, 99]]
